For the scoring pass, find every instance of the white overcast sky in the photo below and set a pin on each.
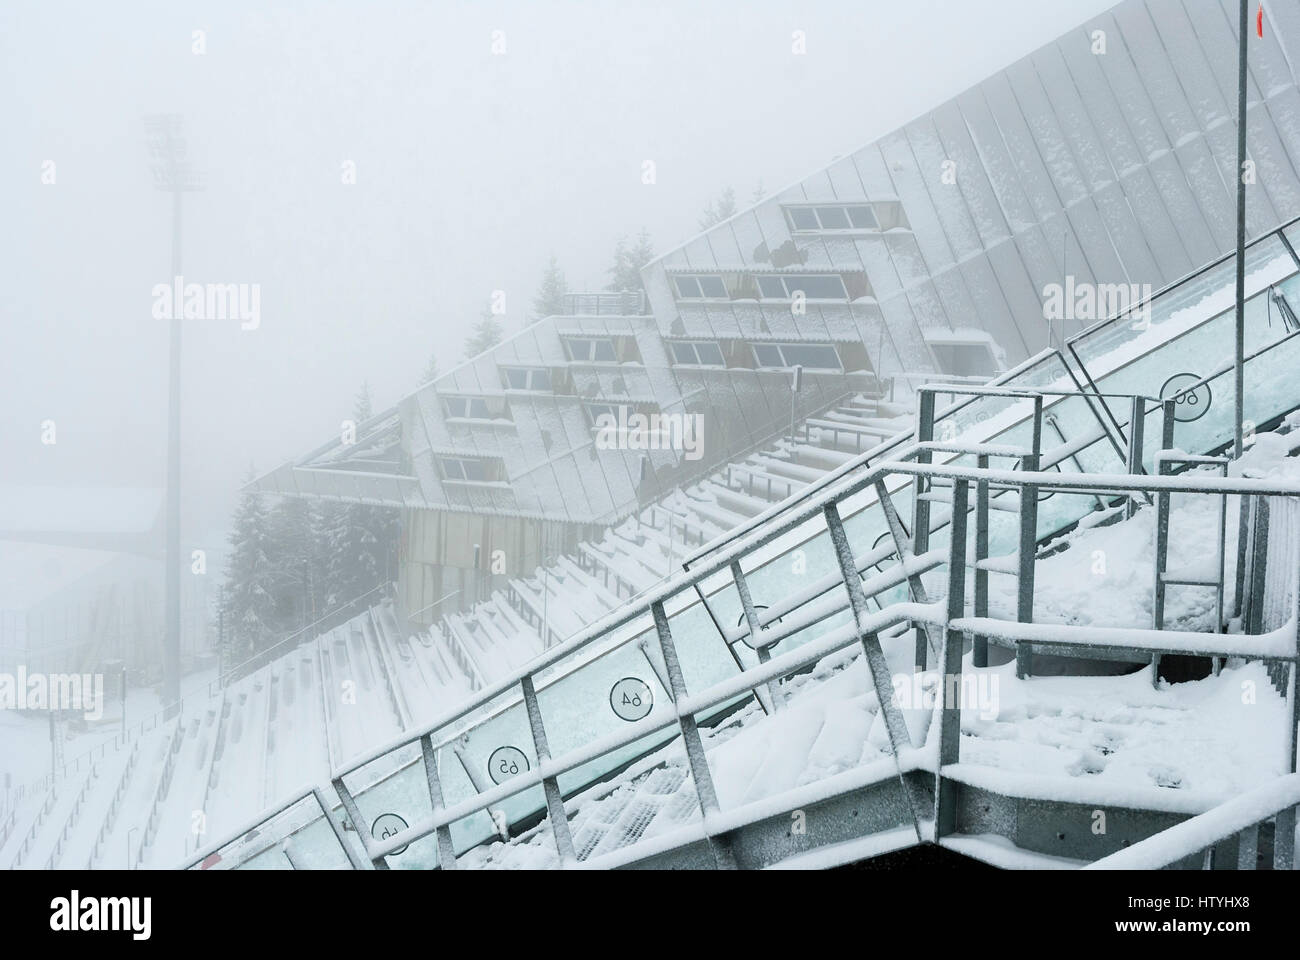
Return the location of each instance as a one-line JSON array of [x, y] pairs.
[[471, 169]]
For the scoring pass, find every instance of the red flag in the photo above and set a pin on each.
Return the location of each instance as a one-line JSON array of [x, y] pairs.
[[1259, 20]]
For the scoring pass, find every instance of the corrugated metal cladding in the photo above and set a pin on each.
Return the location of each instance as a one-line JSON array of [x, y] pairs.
[[1108, 155]]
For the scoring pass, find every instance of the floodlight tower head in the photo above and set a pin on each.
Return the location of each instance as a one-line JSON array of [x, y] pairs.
[[168, 160]]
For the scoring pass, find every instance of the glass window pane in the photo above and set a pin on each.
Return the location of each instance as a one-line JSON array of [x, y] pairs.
[[541, 380], [772, 288], [604, 350], [815, 356], [862, 218], [803, 218], [713, 287], [683, 353], [517, 379], [709, 353], [687, 287], [817, 288], [833, 218], [768, 355]]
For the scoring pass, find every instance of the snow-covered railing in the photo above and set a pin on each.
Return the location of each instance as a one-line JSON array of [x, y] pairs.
[[73, 816], [943, 621], [1240, 817], [164, 784], [114, 806]]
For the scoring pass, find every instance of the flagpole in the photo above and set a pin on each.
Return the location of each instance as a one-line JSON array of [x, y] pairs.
[[1239, 347]]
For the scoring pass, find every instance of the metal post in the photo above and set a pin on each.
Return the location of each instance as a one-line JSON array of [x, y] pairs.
[[755, 632], [945, 807], [921, 506], [550, 787], [1136, 440], [980, 643], [695, 759], [877, 666], [1239, 344], [446, 852], [1167, 408], [1028, 545], [172, 631]]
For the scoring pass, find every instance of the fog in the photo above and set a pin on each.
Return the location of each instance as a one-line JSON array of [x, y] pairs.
[[471, 169]]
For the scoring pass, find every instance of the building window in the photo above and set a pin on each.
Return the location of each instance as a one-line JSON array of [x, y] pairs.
[[965, 359], [537, 379], [701, 287], [831, 216], [619, 349], [813, 286], [812, 356], [472, 470], [590, 351], [475, 408], [845, 217], [697, 353]]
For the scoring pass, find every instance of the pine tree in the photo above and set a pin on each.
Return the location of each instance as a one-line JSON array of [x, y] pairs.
[[720, 209], [363, 409], [247, 603], [629, 258], [430, 370], [357, 541], [549, 301], [486, 334], [296, 562]]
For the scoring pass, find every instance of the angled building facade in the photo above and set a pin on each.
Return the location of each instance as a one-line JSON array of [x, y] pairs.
[[1104, 159]]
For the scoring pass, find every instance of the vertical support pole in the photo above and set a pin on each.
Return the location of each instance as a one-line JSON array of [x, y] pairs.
[[915, 586], [1167, 408], [1248, 847], [921, 506], [1254, 609], [755, 632], [877, 666], [1240, 326], [171, 693], [979, 643], [945, 807], [1136, 439], [359, 826], [1239, 573], [695, 759], [550, 788], [1028, 542], [446, 852]]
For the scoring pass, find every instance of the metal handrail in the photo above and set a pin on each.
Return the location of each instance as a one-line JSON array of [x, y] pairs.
[[1279, 645]]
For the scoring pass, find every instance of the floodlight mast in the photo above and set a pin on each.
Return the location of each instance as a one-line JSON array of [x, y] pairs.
[[173, 173]]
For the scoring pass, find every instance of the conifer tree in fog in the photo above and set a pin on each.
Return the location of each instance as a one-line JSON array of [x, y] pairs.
[[248, 601], [629, 258], [549, 301], [360, 539], [487, 333], [720, 209]]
